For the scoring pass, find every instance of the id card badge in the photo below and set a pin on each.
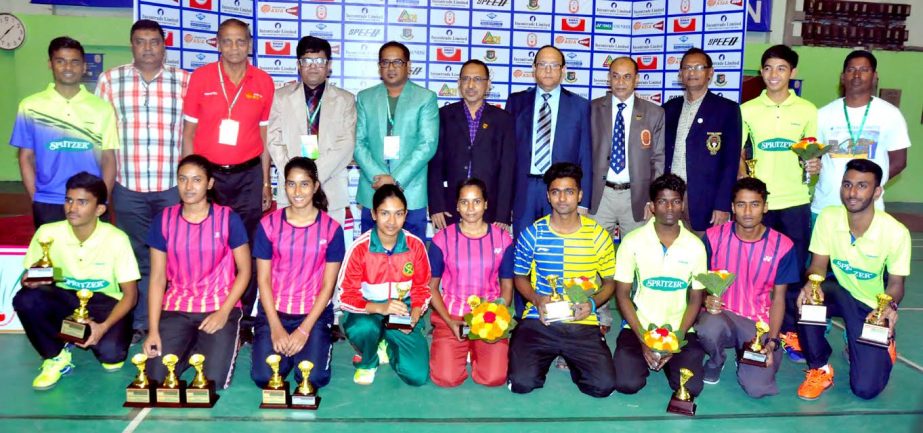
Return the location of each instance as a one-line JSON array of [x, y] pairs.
[[309, 148], [227, 132], [392, 146]]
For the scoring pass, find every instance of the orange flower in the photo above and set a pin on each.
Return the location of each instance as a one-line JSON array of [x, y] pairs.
[[723, 274], [490, 321]]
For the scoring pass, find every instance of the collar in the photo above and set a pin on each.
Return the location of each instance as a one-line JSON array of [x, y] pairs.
[[764, 99], [629, 104], [555, 93], [842, 224], [161, 73], [686, 100], [319, 90], [652, 233], [248, 73], [734, 232], [72, 237], [399, 247], [82, 93]]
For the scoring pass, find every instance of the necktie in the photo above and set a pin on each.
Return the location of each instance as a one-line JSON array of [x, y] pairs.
[[541, 154], [312, 105], [618, 142]]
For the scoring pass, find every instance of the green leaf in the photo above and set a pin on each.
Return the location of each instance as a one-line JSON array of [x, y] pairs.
[[576, 294]]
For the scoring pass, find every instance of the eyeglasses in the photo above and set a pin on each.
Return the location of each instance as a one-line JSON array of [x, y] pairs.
[[696, 68], [397, 63], [307, 62], [546, 65], [476, 80]]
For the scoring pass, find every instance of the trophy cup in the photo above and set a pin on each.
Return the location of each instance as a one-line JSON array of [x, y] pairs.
[[305, 396], [682, 402], [140, 392], [557, 309], [752, 353], [398, 321], [814, 312], [275, 393], [751, 167], [42, 272], [170, 392], [875, 330], [201, 392], [76, 327]]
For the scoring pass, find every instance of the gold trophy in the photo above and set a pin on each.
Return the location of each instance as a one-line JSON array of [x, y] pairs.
[[201, 392], [305, 396], [814, 312], [76, 327], [875, 330], [398, 321], [557, 309], [751, 167], [682, 402], [42, 272], [276, 391], [170, 392], [753, 353], [140, 392]]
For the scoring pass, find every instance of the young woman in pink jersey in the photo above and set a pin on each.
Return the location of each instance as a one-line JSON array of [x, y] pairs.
[[471, 257], [200, 267], [298, 252]]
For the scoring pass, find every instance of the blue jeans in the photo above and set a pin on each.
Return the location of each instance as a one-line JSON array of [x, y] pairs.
[[317, 349]]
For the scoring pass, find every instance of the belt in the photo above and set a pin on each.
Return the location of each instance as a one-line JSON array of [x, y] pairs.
[[237, 168], [618, 186]]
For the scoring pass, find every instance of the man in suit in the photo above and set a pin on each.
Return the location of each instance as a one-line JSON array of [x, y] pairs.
[[396, 131], [552, 125], [628, 151], [475, 140], [315, 119], [703, 143]]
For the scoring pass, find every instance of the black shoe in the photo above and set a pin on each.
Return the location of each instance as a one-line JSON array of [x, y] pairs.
[[246, 335], [336, 334], [138, 336]]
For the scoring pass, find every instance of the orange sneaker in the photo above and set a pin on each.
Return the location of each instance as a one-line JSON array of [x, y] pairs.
[[792, 347], [816, 381], [892, 351]]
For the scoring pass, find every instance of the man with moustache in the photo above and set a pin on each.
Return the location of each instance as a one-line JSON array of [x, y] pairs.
[[475, 140]]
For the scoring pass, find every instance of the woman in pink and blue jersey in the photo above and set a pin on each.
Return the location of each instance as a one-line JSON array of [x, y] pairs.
[[200, 267], [298, 252], [471, 257]]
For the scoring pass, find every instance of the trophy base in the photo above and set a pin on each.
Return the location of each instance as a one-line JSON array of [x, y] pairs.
[[681, 407], [305, 401], [463, 331], [171, 397], [73, 331], [39, 281], [202, 397], [140, 397], [276, 398], [875, 335], [560, 311], [395, 321], [812, 323], [757, 359], [814, 315]]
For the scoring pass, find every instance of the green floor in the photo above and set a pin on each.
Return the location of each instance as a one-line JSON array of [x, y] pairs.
[[90, 400]]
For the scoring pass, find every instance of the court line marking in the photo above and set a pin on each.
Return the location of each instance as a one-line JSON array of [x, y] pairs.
[[133, 425]]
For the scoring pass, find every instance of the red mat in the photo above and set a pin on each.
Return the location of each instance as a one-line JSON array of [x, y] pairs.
[[16, 230]]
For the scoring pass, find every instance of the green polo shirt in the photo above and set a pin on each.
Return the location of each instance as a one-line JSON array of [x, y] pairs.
[[773, 129], [860, 263]]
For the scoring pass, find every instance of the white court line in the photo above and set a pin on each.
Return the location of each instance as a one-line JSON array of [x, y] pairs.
[[900, 357], [137, 421]]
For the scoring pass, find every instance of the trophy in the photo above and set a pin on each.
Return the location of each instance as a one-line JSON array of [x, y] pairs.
[[170, 392], [751, 167], [275, 393], [140, 392], [557, 309], [201, 392], [399, 321], [875, 330], [814, 312], [42, 272], [753, 353], [76, 327], [305, 396], [682, 402]]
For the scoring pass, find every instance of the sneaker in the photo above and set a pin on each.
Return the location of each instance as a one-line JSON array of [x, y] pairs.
[[364, 376], [816, 381], [892, 351], [792, 347], [113, 367], [712, 374], [561, 364], [52, 370], [383, 353]]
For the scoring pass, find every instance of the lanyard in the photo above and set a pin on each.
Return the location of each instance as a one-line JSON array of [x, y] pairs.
[[390, 116], [312, 116], [225, 93], [855, 138]]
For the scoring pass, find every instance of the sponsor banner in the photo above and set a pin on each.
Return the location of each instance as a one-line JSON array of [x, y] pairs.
[[650, 80], [449, 17], [732, 60], [647, 44], [685, 24], [322, 29], [406, 34], [651, 26], [521, 74], [327, 12], [490, 19], [497, 5], [361, 51], [618, 26], [364, 14], [362, 68], [357, 32], [649, 8], [163, 15], [408, 16], [451, 3], [277, 29], [279, 66], [573, 41], [678, 7], [722, 80], [655, 96], [573, 24], [733, 95], [500, 56], [523, 57], [724, 5], [683, 42], [575, 59], [236, 7], [651, 62], [622, 9], [576, 77], [603, 60], [723, 42], [546, 6], [532, 22], [193, 60], [498, 92], [444, 72], [497, 38], [724, 22], [600, 79], [669, 94], [200, 41], [531, 39], [174, 58], [448, 54], [448, 36], [444, 89], [201, 21], [276, 10], [619, 44], [499, 73], [201, 5], [574, 7]]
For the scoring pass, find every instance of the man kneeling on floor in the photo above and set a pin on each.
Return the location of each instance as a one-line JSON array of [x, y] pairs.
[[89, 254]]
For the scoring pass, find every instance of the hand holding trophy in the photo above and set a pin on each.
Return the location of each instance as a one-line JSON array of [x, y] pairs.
[[752, 353], [813, 311], [399, 321], [557, 309], [876, 330], [76, 327]]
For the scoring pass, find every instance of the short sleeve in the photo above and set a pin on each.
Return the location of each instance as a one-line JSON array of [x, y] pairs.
[[898, 260], [155, 236], [625, 261], [525, 245], [605, 254], [262, 246], [699, 263], [267, 102], [819, 237], [436, 260], [34, 252], [109, 129], [192, 100], [895, 134], [126, 265], [708, 250], [336, 247], [506, 264], [787, 271], [23, 130], [237, 233]]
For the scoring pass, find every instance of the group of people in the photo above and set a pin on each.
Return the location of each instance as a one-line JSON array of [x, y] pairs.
[[628, 197]]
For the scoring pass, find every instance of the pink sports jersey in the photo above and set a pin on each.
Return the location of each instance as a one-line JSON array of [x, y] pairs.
[[472, 266]]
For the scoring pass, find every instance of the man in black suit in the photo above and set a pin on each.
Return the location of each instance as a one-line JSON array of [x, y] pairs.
[[475, 140], [703, 133]]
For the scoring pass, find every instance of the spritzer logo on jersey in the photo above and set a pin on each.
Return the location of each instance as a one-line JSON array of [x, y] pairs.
[[70, 144], [94, 285], [776, 145], [860, 274], [665, 284]]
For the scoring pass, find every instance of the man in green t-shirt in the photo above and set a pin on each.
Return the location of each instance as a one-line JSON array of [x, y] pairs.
[[86, 254]]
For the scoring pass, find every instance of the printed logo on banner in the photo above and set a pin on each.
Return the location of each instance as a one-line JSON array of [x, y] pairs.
[[650, 8], [523, 57], [491, 55], [322, 30], [600, 79], [444, 90], [277, 48], [410, 16], [733, 95], [647, 44], [174, 58], [725, 80], [448, 36], [164, 16], [523, 75], [655, 96], [671, 94], [360, 50], [573, 25], [201, 21], [572, 42], [196, 60], [573, 7], [620, 44], [614, 9], [400, 2], [417, 71], [237, 7], [648, 62], [355, 32], [498, 20], [449, 54], [365, 14], [407, 34], [531, 39], [724, 5], [278, 65], [278, 29], [498, 91], [650, 80], [647, 27], [169, 39], [494, 38], [532, 22], [683, 41], [449, 3], [492, 4], [444, 72], [724, 22], [676, 7], [684, 24], [449, 18], [200, 41], [723, 41], [207, 5], [277, 10], [577, 60], [727, 61], [615, 25]]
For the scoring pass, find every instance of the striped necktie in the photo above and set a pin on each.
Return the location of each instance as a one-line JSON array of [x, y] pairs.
[[618, 142], [541, 151]]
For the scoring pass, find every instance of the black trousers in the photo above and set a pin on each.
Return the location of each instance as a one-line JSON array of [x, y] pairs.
[[794, 222], [631, 370]]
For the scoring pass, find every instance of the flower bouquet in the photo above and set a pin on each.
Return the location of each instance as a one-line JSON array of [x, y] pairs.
[[663, 341], [716, 283], [807, 149], [579, 289], [488, 321]]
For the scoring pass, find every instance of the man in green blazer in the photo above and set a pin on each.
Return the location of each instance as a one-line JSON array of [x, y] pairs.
[[397, 128]]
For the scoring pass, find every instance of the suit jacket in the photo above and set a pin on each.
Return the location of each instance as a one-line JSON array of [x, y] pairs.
[[710, 178], [416, 121], [571, 139], [645, 158], [492, 158], [336, 138]]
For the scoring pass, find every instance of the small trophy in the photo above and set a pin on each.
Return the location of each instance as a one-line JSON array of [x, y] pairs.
[[170, 392], [305, 396], [76, 327], [399, 321], [814, 312], [875, 330], [201, 392], [464, 330], [682, 402], [140, 392], [557, 309], [751, 167], [42, 272], [275, 393], [753, 353]]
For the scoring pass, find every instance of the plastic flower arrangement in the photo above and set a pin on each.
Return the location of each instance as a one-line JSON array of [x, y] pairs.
[[488, 321]]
